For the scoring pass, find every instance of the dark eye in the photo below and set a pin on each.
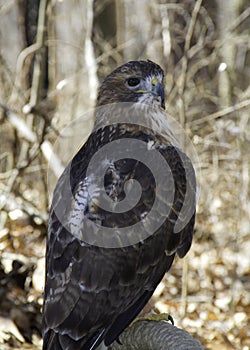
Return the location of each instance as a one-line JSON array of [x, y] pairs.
[[133, 81]]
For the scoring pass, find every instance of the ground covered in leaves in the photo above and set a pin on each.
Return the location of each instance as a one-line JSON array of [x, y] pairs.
[[216, 310]]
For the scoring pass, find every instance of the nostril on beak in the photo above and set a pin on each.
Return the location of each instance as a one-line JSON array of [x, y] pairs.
[[154, 81]]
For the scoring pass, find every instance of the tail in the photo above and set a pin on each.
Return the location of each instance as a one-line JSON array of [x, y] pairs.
[[57, 341]]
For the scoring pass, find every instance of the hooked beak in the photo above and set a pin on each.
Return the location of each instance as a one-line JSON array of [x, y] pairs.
[[158, 90]]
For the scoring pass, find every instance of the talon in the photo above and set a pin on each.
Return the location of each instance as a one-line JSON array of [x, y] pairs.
[[118, 341], [170, 318]]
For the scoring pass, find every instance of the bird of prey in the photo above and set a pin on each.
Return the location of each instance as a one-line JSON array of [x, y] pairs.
[[96, 285]]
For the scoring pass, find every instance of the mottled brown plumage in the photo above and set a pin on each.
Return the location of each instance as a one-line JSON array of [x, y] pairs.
[[93, 291]]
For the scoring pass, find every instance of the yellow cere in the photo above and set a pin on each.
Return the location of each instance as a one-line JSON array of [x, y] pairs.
[[154, 81]]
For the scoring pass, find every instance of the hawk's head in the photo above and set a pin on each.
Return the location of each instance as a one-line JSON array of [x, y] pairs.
[[135, 81]]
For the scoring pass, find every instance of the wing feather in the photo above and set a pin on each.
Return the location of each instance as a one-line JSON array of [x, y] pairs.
[[101, 290]]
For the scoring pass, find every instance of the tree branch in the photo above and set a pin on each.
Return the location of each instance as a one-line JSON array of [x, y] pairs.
[[153, 335]]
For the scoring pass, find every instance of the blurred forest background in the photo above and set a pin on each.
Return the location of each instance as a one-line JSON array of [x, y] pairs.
[[53, 54]]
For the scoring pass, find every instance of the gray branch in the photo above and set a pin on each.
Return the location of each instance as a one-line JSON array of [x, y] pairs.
[[153, 335]]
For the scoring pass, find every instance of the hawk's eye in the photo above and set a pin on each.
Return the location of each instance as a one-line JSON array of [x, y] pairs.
[[133, 82]]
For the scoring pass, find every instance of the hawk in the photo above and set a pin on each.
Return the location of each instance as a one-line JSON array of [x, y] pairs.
[[101, 267]]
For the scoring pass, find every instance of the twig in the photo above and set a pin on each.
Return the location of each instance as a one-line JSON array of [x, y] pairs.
[[89, 52], [243, 16], [120, 33], [18, 123], [26, 206], [32, 169], [183, 75], [14, 174], [8, 188], [18, 88], [182, 84], [166, 37], [221, 113], [37, 74], [39, 62], [184, 286], [54, 162], [25, 132]]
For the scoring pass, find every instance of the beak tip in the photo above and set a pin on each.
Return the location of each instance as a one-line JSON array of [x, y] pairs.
[[159, 90]]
